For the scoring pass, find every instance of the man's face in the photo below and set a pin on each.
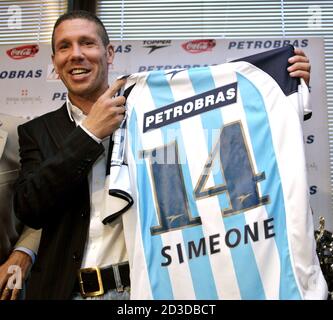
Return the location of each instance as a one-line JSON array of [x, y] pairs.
[[80, 58]]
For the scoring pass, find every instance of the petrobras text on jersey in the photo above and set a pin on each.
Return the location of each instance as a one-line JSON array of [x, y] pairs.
[[186, 108]]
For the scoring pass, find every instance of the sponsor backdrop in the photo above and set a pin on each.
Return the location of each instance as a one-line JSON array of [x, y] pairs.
[[30, 87]]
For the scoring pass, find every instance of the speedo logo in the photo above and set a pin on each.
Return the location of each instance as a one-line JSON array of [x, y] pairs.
[[23, 52], [198, 46], [156, 44]]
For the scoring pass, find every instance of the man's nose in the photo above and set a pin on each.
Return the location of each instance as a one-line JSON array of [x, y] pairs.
[[76, 52]]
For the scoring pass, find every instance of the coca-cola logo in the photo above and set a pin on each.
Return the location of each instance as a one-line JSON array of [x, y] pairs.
[[198, 46], [23, 52]]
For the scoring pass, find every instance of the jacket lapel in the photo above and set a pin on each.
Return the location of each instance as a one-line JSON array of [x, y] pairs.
[[60, 126]]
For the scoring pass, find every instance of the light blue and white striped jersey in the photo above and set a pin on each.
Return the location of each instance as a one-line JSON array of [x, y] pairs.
[[217, 166]]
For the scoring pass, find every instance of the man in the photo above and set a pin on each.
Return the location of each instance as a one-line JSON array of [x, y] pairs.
[[14, 264], [61, 181]]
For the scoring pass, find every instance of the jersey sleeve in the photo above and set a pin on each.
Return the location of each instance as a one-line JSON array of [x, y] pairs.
[[275, 63]]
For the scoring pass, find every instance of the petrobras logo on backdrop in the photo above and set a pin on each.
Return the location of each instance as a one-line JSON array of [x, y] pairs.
[[20, 74], [123, 48], [156, 44], [171, 66], [22, 52], [310, 139], [266, 44], [198, 46], [59, 96], [313, 189], [51, 74]]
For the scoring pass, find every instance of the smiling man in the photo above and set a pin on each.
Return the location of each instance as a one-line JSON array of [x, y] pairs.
[[61, 183]]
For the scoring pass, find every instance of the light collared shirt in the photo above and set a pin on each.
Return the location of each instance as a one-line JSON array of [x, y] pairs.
[[105, 244], [28, 252]]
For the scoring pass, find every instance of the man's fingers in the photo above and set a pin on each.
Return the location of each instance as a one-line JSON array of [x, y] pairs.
[[118, 101], [299, 51], [3, 282], [298, 58], [300, 66], [6, 293], [113, 88], [121, 110], [301, 74], [15, 294]]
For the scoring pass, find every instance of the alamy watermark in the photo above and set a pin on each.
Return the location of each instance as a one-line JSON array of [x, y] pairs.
[[15, 280], [15, 17], [314, 14], [315, 17]]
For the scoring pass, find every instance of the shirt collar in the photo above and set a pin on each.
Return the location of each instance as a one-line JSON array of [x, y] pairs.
[[75, 114]]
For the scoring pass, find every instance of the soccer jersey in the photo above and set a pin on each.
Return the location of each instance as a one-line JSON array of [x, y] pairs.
[[218, 175]]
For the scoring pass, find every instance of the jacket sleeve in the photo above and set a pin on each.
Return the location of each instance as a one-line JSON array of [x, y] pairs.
[[29, 239], [46, 181]]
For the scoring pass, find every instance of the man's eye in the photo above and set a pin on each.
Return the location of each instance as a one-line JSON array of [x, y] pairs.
[[88, 43], [63, 46]]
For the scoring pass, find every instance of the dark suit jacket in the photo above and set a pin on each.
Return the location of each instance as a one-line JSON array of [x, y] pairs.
[[52, 193]]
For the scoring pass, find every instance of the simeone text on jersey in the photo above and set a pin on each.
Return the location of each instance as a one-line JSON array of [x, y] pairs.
[[212, 244]]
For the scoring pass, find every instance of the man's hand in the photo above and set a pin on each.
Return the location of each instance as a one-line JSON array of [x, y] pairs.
[[107, 113], [20, 260], [300, 66]]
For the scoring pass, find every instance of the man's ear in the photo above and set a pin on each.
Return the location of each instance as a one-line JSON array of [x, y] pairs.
[[110, 53]]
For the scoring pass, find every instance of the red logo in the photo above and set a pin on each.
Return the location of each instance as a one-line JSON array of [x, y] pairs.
[[23, 52], [198, 46]]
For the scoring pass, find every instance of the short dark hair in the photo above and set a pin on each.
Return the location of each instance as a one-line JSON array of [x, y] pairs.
[[81, 14]]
